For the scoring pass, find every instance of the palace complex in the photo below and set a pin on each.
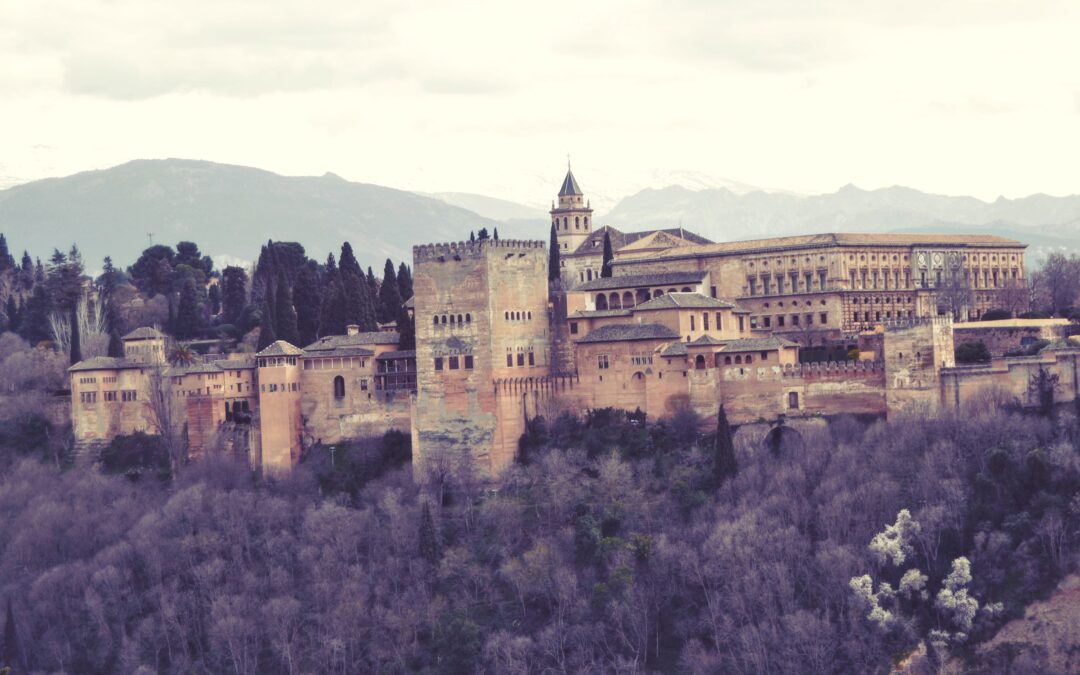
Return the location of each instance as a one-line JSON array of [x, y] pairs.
[[786, 327]]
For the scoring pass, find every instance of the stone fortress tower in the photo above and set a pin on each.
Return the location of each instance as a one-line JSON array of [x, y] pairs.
[[572, 218], [481, 318]]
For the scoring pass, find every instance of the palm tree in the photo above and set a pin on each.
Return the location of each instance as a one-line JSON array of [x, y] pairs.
[[182, 354]]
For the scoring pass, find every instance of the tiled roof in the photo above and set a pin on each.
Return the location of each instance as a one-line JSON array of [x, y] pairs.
[[403, 354], [674, 349], [661, 239], [594, 243], [599, 313], [707, 340], [344, 351], [683, 301], [758, 344], [194, 369], [642, 280], [106, 363], [143, 333], [281, 348], [826, 240], [624, 332], [378, 337]]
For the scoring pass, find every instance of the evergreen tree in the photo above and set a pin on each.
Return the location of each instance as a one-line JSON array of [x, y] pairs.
[[404, 280], [39, 272], [286, 328], [472, 237], [188, 315], [428, 537], [332, 316], [553, 256], [347, 263], [355, 294], [214, 295], [389, 295], [266, 329], [12, 311], [152, 272], [725, 465], [233, 294], [495, 234], [116, 344], [34, 323], [26, 273], [482, 235], [307, 299], [7, 261], [406, 326], [609, 255], [76, 340]]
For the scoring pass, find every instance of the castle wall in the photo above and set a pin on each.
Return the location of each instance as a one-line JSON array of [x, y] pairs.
[[279, 416], [764, 391], [362, 411], [102, 420], [1013, 379], [1005, 336], [914, 352]]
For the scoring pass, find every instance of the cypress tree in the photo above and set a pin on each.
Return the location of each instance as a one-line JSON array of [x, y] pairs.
[[406, 326], [428, 537], [34, 323], [266, 330], [187, 312], [6, 259], [332, 316], [76, 340], [286, 328], [553, 256], [26, 273], [12, 311], [116, 345], [389, 294], [609, 255], [233, 293], [215, 299], [472, 237], [495, 234], [355, 295], [347, 263], [307, 299], [404, 280], [725, 465]]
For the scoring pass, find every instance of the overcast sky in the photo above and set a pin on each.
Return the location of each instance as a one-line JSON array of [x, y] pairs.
[[978, 98]]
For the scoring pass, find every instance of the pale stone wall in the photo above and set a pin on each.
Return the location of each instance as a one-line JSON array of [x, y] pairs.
[[1006, 335], [362, 411], [279, 416]]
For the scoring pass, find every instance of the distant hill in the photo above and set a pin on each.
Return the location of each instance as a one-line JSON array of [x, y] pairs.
[[1042, 221], [229, 211]]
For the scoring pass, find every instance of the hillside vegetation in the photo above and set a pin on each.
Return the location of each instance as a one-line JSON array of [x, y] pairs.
[[617, 547]]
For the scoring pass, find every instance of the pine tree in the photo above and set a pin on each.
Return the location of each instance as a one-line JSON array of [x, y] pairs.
[[404, 280], [26, 273], [553, 256], [116, 344], [725, 465], [307, 299], [76, 340], [266, 330], [389, 295], [482, 234], [286, 328], [12, 311], [605, 270], [188, 317], [34, 324], [428, 537], [495, 234], [347, 263]]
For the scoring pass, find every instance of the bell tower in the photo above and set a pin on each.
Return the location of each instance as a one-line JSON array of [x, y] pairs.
[[572, 218]]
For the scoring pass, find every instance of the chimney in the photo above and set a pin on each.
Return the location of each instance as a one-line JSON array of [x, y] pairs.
[[352, 329]]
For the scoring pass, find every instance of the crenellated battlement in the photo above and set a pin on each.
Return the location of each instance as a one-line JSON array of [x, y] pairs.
[[549, 383], [473, 249], [915, 322], [837, 369]]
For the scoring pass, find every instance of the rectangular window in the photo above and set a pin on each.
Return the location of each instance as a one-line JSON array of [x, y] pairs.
[[438, 363], [363, 385], [532, 359], [824, 317], [691, 322], [764, 356], [521, 359], [573, 327], [602, 361], [712, 291], [719, 322], [704, 322], [779, 285], [794, 319], [779, 322], [809, 319], [768, 321], [453, 363], [753, 323], [821, 280], [468, 362], [753, 285], [509, 360], [741, 324]]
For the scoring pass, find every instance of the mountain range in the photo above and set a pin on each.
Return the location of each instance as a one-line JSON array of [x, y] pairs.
[[229, 211]]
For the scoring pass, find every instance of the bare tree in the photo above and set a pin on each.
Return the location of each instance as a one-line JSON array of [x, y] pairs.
[[1015, 297], [93, 328], [953, 295], [165, 410]]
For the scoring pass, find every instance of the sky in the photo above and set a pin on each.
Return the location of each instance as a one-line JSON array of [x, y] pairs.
[[978, 98]]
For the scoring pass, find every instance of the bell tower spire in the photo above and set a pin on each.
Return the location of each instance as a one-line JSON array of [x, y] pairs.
[[572, 217]]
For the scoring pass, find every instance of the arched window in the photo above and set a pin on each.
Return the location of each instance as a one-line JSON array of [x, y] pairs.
[[577, 223], [506, 316], [459, 318], [738, 359], [727, 360], [565, 223], [435, 320], [588, 275], [339, 387], [613, 301], [444, 319], [468, 318], [586, 222], [657, 293], [686, 289], [530, 316], [749, 358], [451, 319], [699, 362], [627, 300], [601, 301]]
